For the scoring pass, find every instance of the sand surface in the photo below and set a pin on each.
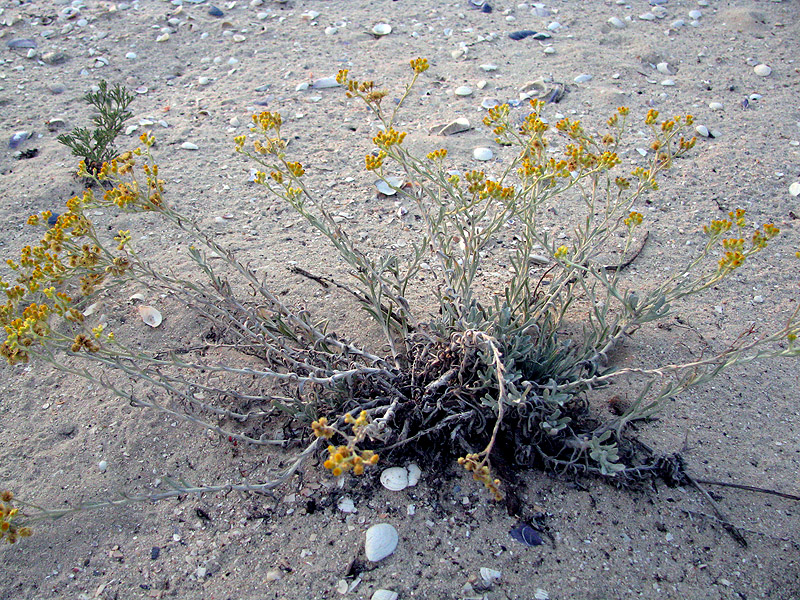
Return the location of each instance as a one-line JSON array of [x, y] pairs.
[[203, 83]]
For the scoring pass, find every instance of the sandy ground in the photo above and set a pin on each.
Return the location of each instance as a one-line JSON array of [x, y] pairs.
[[606, 543]]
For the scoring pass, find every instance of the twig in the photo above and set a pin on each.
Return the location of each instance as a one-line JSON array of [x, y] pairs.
[[631, 258], [750, 488], [726, 524]]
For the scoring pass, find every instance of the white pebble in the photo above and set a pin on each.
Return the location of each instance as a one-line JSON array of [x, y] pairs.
[[663, 67], [463, 90], [102, 465], [549, 50], [203, 80], [794, 189], [488, 67], [762, 70], [758, 299], [695, 14], [583, 78], [189, 146], [384, 595], [648, 16], [617, 22], [131, 56], [702, 130], [331, 30], [482, 153], [715, 106], [668, 82]]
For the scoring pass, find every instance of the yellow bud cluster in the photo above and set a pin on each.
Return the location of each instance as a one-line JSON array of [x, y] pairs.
[[321, 428], [268, 120], [296, 169], [760, 238], [437, 155], [717, 227], [652, 116], [731, 260], [634, 219], [561, 252], [481, 471], [387, 139], [9, 531], [419, 65], [738, 217], [342, 459], [372, 162]]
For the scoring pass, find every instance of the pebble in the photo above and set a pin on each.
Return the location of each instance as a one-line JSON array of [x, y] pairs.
[[155, 552], [715, 106], [18, 138], [702, 130], [382, 29], [346, 505], [648, 16], [102, 465], [541, 594], [381, 540], [549, 50], [384, 595], [189, 146], [668, 82], [215, 12], [21, 43], [387, 188], [695, 14], [583, 78], [617, 22], [488, 103], [55, 58], [488, 67], [762, 70], [458, 126], [325, 82], [482, 153], [524, 33], [489, 576], [794, 189], [554, 26], [56, 88], [663, 67], [131, 56], [463, 90], [203, 80], [163, 37]]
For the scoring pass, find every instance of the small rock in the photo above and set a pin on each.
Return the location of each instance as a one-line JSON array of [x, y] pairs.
[[489, 576], [663, 67], [346, 505], [758, 299], [273, 575], [155, 552], [617, 22], [463, 90], [541, 594], [458, 126], [583, 78], [325, 82], [21, 43], [488, 67], [482, 153], [648, 16], [56, 88], [702, 130], [762, 70], [695, 14], [215, 12], [524, 33], [102, 465], [189, 146], [131, 56], [549, 50], [384, 595], [794, 189], [55, 58], [488, 103], [381, 29], [668, 83], [394, 479], [715, 106]]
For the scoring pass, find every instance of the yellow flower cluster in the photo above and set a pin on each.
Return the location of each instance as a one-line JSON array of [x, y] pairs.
[[372, 162], [419, 65], [760, 238], [342, 459], [267, 120], [9, 531], [321, 429], [482, 472], [387, 139], [437, 155], [634, 219], [561, 252], [495, 191]]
